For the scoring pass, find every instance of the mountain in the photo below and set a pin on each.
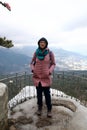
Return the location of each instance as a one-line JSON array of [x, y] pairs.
[[18, 59], [65, 60], [11, 61]]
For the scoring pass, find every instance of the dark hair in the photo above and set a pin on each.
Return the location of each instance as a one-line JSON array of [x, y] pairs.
[[43, 39]]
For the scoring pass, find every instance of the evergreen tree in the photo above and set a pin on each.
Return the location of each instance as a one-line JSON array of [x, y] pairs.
[[6, 43]]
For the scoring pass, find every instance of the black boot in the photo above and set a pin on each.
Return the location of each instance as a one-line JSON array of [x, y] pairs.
[[49, 114], [39, 111]]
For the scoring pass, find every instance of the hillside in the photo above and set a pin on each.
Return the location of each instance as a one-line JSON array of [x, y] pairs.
[[11, 62], [67, 60]]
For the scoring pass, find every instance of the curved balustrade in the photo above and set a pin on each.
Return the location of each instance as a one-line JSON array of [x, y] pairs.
[[73, 83]]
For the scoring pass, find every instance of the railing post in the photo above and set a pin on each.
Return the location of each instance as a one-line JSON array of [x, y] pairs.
[[25, 79], [16, 79]]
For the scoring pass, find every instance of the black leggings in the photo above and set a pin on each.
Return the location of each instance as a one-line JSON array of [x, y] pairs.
[[47, 95]]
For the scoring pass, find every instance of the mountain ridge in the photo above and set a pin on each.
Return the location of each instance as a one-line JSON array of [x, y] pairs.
[[65, 60], [18, 59]]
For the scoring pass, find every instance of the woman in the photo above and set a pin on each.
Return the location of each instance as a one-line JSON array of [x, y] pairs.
[[42, 66]]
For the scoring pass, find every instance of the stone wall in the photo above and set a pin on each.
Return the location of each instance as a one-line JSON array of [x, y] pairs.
[[3, 107]]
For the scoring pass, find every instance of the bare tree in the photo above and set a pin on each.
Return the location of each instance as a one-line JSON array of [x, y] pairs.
[[6, 5]]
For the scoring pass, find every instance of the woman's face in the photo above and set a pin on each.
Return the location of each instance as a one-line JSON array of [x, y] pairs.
[[42, 44]]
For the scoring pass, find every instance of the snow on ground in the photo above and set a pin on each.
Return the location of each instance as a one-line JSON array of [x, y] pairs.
[[63, 118], [29, 92]]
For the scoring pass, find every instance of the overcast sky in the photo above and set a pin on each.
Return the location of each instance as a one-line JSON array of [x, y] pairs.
[[62, 22]]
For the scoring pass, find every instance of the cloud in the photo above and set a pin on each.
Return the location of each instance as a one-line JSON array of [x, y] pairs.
[[63, 23], [79, 22]]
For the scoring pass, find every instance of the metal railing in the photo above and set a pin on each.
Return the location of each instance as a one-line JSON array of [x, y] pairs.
[[16, 82], [73, 83]]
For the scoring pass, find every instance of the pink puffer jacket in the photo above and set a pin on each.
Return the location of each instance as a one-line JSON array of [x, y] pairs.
[[43, 69]]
